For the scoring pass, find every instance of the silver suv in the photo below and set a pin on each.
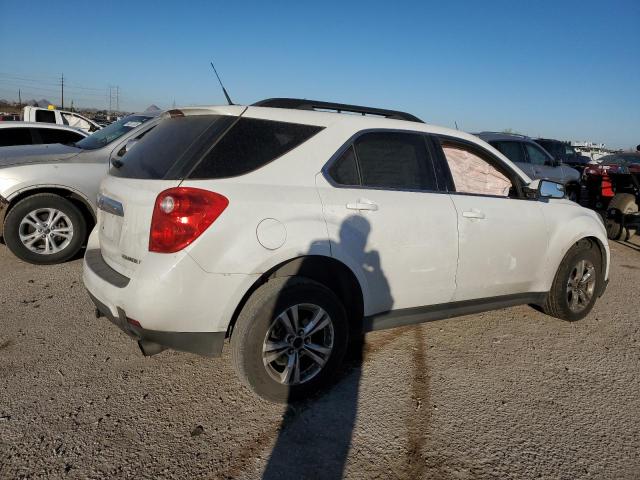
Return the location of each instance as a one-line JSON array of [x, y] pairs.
[[534, 160], [48, 192]]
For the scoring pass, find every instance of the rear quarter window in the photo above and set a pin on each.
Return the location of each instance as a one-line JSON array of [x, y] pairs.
[[250, 144], [14, 136]]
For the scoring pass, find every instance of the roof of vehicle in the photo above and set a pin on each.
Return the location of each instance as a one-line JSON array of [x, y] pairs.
[[551, 140], [51, 126], [496, 136], [349, 123]]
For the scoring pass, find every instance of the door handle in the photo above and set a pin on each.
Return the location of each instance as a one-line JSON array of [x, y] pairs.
[[362, 205], [473, 214]]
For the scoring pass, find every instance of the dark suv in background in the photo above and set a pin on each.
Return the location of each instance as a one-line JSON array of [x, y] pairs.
[[564, 152], [534, 160]]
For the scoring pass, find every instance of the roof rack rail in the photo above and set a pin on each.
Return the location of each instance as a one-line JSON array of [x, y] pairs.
[[513, 134], [302, 104]]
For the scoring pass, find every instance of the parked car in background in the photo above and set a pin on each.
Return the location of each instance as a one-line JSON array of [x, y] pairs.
[[48, 192], [597, 177], [31, 133], [534, 160], [564, 152], [61, 117], [290, 230], [9, 117]]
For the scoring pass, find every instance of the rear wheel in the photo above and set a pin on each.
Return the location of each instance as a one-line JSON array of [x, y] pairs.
[[290, 339], [44, 229], [625, 203], [577, 283]]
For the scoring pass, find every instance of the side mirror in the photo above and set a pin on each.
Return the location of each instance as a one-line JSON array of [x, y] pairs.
[[548, 189]]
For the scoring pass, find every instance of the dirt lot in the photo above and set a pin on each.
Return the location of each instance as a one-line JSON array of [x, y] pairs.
[[508, 394]]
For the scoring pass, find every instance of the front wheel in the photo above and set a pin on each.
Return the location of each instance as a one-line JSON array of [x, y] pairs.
[[290, 339], [44, 229], [577, 283]]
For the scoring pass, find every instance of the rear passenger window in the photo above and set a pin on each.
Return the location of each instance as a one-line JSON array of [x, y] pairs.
[[344, 170], [250, 144], [50, 135], [394, 160], [536, 156], [512, 150], [46, 116], [14, 136]]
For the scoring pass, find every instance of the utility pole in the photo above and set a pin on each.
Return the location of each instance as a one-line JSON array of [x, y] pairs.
[[19, 99], [62, 87]]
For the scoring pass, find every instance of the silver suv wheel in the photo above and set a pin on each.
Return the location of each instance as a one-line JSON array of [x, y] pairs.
[[581, 285], [46, 231], [298, 344]]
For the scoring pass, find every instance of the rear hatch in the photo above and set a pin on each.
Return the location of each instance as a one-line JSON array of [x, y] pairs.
[[159, 161]]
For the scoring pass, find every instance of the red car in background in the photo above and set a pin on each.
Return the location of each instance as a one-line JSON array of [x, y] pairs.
[[597, 177]]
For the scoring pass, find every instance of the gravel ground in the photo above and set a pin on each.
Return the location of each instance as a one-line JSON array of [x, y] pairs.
[[507, 394]]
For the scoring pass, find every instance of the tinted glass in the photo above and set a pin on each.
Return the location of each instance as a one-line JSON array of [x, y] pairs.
[[14, 136], [112, 132], [46, 116], [512, 150], [395, 160], [536, 156], [250, 144], [171, 143], [50, 135], [344, 170]]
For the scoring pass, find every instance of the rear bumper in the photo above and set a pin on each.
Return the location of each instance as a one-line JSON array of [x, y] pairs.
[[169, 300], [202, 343]]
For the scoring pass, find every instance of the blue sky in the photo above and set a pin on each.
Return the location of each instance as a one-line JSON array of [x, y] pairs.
[[562, 69]]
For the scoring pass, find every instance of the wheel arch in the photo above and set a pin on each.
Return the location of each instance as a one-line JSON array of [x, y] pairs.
[[328, 271], [79, 200]]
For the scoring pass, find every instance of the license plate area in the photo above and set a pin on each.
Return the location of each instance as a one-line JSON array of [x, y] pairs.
[[111, 228]]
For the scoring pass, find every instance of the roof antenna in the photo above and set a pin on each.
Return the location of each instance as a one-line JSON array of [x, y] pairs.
[[224, 90]]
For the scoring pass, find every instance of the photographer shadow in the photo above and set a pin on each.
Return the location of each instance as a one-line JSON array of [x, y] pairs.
[[315, 435]]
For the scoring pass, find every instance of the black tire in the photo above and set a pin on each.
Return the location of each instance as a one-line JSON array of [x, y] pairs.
[[255, 321], [626, 203], [557, 301], [33, 203]]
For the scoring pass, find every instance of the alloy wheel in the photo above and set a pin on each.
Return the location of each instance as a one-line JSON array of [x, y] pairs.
[[581, 286], [46, 231], [298, 344]]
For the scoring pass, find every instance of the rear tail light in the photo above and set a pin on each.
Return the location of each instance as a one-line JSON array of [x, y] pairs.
[[180, 215]]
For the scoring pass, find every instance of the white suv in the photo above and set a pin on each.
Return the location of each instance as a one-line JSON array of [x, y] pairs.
[[289, 231]]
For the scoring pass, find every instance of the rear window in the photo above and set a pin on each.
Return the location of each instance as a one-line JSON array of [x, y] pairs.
[[168, 150], [250, 144], [46, 116]]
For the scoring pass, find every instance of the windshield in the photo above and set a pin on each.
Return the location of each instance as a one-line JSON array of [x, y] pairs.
[[111, 132]]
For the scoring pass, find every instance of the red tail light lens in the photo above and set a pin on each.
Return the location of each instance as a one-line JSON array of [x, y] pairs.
[[180, 215]]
